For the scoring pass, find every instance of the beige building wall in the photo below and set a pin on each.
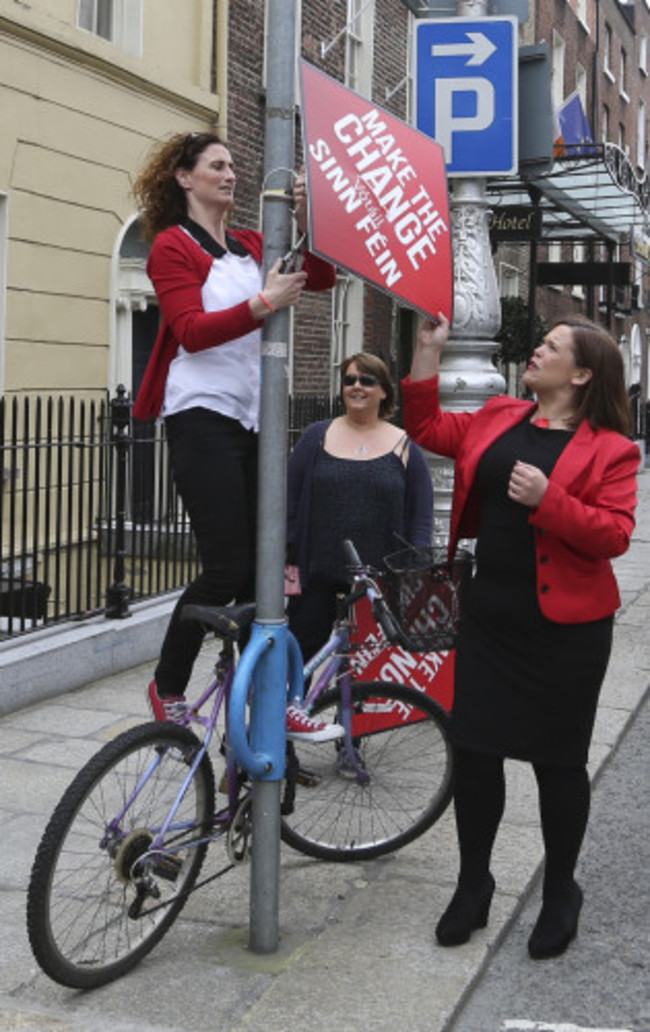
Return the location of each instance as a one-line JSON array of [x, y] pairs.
[[77, 115]]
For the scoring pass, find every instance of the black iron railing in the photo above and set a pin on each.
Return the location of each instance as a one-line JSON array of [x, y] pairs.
[[90, 521]]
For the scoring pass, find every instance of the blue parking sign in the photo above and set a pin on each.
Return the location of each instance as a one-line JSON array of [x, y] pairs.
[[466, 92]]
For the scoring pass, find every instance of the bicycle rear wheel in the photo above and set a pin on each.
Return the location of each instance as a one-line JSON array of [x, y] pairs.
[[400, 737], [99, 899]]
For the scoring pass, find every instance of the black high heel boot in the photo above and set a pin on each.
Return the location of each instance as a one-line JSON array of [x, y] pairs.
[[466, 912], [557, 925]]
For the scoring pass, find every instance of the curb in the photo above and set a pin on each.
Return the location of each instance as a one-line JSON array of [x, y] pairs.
[[59, 659]]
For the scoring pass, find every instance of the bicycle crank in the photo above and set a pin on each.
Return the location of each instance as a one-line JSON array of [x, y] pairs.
[[238, 840]]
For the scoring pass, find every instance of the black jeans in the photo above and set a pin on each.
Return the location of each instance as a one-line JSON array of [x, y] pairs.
[[312, 614], [214, 462]]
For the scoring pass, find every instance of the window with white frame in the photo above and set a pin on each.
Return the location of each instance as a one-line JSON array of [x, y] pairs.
[[557, 70], [641, 135], [638, 282], [604, 124], [603, 255], [118, 21], [359, 46], [607, 52], [97, 16], [581, 11], [581, 84], [554, 257], [643, 53], [508, 280], [578, 289], [622, 78]]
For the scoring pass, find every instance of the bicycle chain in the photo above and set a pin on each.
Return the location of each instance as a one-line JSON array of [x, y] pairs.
[[188, 893]]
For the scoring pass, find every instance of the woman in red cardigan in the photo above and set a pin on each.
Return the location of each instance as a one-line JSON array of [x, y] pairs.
[[548, 489], [203, 377]]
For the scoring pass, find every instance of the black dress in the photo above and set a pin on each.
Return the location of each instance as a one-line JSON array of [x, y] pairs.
[[525, 687]]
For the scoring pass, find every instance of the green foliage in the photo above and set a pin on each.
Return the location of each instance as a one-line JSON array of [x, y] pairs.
[[514, 345]]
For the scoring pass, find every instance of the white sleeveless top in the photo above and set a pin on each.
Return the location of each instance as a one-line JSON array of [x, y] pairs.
[[225, 378]]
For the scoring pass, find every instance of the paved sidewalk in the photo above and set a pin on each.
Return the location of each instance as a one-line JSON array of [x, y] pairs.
[[357, 947]]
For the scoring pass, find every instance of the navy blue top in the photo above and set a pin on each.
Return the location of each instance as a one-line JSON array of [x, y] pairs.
[[414, 520]]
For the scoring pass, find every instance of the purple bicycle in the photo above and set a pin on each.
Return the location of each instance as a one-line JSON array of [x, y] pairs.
[[125, 845]]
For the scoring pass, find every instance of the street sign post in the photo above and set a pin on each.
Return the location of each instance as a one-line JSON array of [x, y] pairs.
[[466, 92]]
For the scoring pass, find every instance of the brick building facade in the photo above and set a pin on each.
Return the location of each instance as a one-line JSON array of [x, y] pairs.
[[597, 50]]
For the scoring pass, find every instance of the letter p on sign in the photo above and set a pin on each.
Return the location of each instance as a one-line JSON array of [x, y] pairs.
[[461, 107]]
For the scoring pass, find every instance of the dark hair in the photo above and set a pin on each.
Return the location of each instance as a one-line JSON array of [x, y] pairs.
[[368, 363], [156, 191], [603, 400]]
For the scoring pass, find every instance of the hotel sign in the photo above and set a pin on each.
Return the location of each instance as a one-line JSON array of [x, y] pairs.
[[515, 222]]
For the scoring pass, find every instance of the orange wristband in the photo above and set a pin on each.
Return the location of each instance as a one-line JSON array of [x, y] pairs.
[[266, 301]]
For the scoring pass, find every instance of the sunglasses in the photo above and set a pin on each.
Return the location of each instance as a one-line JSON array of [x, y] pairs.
[[365, 379]]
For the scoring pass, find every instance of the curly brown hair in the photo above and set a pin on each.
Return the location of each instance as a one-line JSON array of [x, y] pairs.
[[156, 191]]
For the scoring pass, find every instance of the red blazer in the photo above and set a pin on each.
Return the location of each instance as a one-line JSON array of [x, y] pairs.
[[585, 518], [178, 267]]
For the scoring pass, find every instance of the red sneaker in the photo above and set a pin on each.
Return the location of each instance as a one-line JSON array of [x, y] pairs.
[[166, 707], [301, 727]]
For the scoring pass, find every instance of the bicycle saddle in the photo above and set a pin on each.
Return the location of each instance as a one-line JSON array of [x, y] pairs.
[[228, 622]]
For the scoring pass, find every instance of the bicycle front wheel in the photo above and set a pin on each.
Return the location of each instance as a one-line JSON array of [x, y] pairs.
[[100, 896], [401, 783]]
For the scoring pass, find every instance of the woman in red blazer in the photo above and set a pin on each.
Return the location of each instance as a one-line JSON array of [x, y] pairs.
[[203, 376], [548, 489]]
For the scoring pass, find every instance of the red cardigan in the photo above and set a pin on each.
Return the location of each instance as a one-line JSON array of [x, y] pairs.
[[178, 267], [585, 518]]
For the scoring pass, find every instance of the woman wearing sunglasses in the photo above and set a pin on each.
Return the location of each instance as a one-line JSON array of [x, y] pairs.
[[203, 376], [357, 476]]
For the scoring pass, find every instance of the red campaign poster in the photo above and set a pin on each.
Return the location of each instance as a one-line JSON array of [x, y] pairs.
[[378, 202], [430, 672]]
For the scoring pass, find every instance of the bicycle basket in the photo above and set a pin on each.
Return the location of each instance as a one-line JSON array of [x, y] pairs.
[[423, 589]]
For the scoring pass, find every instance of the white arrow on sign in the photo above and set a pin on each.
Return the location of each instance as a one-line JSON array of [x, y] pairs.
[[480, 48]]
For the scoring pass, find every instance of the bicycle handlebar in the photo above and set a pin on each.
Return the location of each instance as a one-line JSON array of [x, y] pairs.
[[389, 625], [351, 555], [380, 610]]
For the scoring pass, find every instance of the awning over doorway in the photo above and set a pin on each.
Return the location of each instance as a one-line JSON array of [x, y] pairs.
[[583, 198]]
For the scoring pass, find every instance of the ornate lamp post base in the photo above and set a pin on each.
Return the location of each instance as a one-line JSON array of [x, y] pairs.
[[467, 376]]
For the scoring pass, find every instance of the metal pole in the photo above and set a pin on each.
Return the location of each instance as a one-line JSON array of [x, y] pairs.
[[467, 376], [270, 682]]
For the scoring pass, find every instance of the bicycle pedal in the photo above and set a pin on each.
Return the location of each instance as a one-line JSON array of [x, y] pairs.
[[307, 778], [344, 768]]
